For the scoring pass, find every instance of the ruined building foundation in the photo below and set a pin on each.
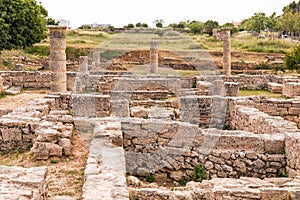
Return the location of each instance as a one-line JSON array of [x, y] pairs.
[[58, 58]]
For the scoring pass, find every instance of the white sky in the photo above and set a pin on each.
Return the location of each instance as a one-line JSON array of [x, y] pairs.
[[122, 12]]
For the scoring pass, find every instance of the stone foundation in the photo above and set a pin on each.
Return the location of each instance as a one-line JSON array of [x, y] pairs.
[[215, 189], [23, 183]]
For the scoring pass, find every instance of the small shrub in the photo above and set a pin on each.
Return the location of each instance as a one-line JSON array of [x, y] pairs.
[[226, 127], [184, 181], [199, 173], [150, 178], [53, 161], [2, 95]]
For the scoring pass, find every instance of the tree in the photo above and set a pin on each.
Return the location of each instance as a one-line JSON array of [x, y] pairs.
[[292, 60], [159, 23], [196, 27], [129, 26], [22, 23], [209, 26], [138, 25], [51, 21], [287, 21], [258, 22], [144, 25], [181, 25], [230, 25]]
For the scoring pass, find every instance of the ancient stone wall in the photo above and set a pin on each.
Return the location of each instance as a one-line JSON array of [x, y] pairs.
[[291, 89], [216, 189], [255, 121], [289, 109], [34, 79], [89, 105], [23, 183], [18, 127], [171, 150], [205, 111]]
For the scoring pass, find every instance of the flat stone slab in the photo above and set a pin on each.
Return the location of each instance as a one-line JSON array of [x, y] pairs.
[[23, 183], [14, 90]]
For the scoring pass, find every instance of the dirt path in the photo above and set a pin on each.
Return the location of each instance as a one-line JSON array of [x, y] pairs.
[[15, 101], [65, 175]]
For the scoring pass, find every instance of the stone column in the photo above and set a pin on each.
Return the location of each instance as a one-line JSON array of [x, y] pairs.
[[83, 63], [96, 59], [58, 58], [154, 57], [226, 51]]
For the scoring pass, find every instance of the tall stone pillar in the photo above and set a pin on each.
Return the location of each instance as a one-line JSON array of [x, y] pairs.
[[96, 59], [154, 57], [58, 58], [83, 64], [226, 51]]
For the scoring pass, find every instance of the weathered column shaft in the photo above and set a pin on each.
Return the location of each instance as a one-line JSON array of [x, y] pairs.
[[96, 58], [83, 64], [153, 57], [226, 52], [58, 58]]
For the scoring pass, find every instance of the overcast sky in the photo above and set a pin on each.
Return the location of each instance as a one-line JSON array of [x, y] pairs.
[[122, 12]]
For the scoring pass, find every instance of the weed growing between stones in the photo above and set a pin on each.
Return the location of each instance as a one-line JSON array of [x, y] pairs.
[[199, 173], [150, 178]]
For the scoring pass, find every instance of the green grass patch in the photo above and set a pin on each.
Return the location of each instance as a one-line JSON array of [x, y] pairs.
[[2, 95], [248, 43], [111, 54], [263, 93], [188, 72], [37, 50]]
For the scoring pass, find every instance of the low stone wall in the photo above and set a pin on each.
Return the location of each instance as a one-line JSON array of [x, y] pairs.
[[216, 189], [252, 120], [34, 79], [205, 111], [105, 171], [90, 105], [18, 127], [289, 109], [23, 183], [54, 135], [291, 89], [253, 82], [292, 150], [171, 150]]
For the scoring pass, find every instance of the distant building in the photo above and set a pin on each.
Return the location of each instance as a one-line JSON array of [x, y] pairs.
[[63, 22], [96, 25], [236, 24]]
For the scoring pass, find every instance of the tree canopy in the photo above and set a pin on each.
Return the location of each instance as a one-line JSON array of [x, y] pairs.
[[22, 23]]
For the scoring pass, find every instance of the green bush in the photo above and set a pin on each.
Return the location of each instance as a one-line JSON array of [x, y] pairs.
[[292, 60]]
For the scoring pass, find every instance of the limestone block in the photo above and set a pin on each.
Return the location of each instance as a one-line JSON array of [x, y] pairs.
[[274, 194], [66, 146], [48, 135]]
